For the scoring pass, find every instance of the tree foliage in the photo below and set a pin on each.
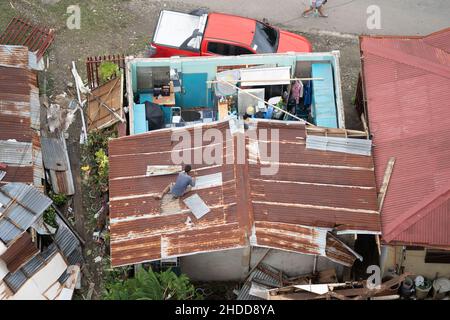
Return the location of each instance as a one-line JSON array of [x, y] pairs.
[[149, 285]]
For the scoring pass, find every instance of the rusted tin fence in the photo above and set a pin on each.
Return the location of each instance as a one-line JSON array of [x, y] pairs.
[[22, 32], [93, 66]]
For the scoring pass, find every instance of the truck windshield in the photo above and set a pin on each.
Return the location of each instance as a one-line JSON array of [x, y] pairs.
[[265, 39]]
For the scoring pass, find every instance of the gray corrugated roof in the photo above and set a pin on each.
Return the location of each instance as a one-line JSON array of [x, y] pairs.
[[68, 243], [17, 279], [260, 277], [54, 154], [22, 206]]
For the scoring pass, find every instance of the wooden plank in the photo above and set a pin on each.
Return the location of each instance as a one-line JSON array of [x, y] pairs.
[[383, 191], [385, 184], [162, 170]]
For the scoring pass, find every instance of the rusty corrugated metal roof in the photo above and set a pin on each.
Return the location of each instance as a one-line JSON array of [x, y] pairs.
[[19, 116], [407, 87], [14, 56], [22, 250], [313, 193]]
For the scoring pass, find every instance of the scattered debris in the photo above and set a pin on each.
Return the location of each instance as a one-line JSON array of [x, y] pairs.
[[97, 259]]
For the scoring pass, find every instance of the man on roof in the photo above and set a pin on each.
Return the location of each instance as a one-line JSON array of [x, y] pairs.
[[182, 185]]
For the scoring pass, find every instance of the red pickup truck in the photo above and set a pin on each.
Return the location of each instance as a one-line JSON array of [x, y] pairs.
[[207, 34]]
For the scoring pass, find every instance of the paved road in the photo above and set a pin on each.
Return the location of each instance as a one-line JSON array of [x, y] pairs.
[[398, 17]]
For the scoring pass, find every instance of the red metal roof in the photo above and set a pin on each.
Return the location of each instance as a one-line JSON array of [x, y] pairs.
[[287, 211], [407, 87], [231, 28]]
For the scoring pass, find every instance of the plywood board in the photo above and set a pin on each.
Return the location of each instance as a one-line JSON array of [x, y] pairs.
[[111, 94]]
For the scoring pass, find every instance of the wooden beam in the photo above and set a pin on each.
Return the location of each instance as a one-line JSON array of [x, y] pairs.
[[385, 184], [383, 191], [257, 264]]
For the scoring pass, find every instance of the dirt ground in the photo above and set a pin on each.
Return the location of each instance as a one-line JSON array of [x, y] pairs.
[[116, 27]]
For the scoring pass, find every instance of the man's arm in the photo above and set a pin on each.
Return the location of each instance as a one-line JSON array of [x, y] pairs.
[[192, 183]]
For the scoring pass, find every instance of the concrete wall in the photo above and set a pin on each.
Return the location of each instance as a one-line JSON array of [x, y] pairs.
[[414, 262], [230, 265], [233, 265]]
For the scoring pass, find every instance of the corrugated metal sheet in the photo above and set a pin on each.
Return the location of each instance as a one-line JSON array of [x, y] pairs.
[[23, 205], [68, 243], [14, 56], [22, 250], [16, 153], [314, 191], [262, 277], [56, 159], [407, 87], [138, 231], [54, 154], [19, 116], [346, 145], [17, 279]]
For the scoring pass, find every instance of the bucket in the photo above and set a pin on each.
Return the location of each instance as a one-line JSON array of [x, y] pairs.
[[406, 287], [423, 290]]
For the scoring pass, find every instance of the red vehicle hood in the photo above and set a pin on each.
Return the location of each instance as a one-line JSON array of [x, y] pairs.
[[293, 42]]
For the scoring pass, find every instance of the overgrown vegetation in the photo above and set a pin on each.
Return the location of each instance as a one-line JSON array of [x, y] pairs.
[[95, 161], [149, 285], [108, 70], [50, 217], [58, 199]]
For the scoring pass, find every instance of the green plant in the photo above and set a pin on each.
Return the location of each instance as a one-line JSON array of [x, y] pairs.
[[58, 199], [50, 217], [108, 70], [149, 285], [102, 162]]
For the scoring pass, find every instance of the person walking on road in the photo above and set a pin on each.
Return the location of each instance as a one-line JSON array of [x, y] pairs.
[[315, 4]]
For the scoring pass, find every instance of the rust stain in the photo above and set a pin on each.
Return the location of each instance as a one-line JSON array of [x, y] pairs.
[[281, 211]]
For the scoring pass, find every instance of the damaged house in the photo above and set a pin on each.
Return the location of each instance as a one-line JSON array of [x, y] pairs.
[[405, 95], [37, 261], [20, 145], [235, 216], [179, 91], [301, 213]]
